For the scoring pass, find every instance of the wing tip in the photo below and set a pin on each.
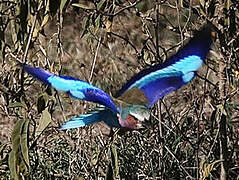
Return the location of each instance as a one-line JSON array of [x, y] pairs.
[[207, 31], [37, 73], [198, 45]]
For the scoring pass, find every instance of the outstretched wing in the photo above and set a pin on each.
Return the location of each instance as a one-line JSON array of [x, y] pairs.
[[98, 115], [74, 87], [155, 82]]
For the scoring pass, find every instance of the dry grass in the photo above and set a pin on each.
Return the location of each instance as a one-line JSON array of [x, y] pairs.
[[184, 139]]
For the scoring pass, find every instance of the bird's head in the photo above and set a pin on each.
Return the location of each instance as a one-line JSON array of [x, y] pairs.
[[134, 116]]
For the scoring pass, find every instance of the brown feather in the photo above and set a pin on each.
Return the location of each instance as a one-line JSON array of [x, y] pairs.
[[132, 96]]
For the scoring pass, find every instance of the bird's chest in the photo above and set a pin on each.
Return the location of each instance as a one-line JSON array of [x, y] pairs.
[[130, 122]]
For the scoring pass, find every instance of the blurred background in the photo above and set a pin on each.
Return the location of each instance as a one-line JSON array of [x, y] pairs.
[[194, 132]]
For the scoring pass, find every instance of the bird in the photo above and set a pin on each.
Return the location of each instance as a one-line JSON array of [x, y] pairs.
[[130, 107]]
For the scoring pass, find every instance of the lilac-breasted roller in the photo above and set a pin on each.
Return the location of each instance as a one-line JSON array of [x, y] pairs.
[[130, 108]]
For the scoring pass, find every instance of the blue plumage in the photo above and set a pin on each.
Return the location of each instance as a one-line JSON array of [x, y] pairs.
[[159, 80], [81, 121], [38, 73], [98, 115], [77, 88], [140, 93], [158, 88]]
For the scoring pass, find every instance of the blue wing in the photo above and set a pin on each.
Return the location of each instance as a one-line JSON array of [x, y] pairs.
[[98, 115], [74, 87], [159, 80]]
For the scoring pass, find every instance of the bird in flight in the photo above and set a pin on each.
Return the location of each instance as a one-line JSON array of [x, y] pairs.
[[130, 108]]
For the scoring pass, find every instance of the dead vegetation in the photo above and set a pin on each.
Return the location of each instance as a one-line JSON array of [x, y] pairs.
[[194, 132]]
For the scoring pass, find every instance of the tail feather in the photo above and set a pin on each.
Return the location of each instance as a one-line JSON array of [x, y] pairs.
[[82, 120], [98, 115]]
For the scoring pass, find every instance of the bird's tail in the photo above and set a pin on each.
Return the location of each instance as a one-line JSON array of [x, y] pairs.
[[97, 115]]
